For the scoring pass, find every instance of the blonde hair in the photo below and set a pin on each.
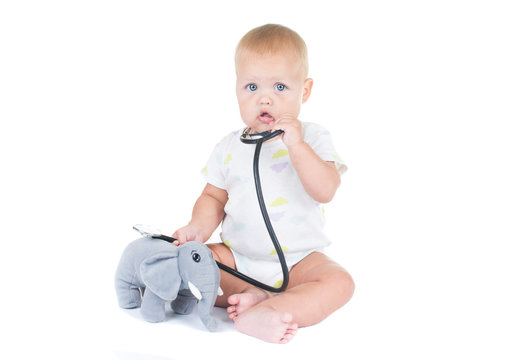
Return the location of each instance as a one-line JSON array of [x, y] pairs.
[[272, 39]]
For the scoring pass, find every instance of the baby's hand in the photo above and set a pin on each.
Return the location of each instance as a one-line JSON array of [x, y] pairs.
[[292, 128], [187, 233]]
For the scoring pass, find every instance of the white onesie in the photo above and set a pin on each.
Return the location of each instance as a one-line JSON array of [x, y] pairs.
[[296, 218]]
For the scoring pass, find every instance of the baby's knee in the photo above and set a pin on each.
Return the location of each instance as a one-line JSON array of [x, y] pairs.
[[343, 284], [221, 254], [214, 249]]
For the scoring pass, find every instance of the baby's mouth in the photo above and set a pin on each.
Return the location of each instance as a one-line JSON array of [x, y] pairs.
[[266, 118]]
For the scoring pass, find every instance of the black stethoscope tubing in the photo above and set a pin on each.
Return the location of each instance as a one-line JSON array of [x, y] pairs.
[[258, 140]]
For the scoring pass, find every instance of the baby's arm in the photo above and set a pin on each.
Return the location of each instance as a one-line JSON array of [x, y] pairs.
[[319, 178], [207, 214]]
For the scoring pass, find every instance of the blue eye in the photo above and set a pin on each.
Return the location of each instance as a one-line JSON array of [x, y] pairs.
[[251, 87], [280, 87]]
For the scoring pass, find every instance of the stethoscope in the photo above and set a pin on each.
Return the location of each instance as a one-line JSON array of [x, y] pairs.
[[247, 138]]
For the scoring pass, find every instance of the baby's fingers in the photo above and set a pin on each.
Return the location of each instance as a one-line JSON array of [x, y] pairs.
[[180, 237]]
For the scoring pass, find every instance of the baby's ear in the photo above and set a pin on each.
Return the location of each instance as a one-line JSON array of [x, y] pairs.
[[308, 85]]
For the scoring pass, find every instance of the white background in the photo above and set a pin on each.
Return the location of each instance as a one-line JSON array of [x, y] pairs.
[[109, 109]]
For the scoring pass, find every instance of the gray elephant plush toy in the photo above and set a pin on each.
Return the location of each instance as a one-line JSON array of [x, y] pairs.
[[164, 272]]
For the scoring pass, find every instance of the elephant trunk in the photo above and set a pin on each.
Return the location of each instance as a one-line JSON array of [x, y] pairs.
[[205, 307], [207, 299], [200, 273]]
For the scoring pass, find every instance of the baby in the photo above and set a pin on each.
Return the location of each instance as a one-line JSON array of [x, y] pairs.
[[299, 171]]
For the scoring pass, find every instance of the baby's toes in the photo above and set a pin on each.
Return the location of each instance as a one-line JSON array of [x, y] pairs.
[[232, 312], [291, 331], [287, 337], [233, 299]]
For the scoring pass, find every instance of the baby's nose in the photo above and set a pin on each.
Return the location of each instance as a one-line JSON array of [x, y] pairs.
[[265, 100]]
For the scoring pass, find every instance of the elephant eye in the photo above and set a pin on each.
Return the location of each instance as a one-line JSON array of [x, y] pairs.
[[196, 257]]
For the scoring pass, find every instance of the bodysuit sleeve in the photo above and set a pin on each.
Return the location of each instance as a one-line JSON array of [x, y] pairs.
[[213, 170], [321, 142]]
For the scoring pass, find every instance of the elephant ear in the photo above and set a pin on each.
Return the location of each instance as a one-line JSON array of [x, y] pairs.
[[160, 274]]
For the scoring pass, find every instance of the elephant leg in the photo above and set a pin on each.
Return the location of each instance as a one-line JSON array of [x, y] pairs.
[[184, 302], [152, 307], [128, 295]]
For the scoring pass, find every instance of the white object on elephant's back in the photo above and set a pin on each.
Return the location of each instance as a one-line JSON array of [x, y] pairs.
[[147, 230]]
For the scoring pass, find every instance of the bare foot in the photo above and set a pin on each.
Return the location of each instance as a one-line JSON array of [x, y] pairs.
[[241, 302], [267, 324]]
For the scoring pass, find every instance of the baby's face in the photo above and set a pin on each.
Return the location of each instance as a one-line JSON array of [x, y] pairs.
[[269, 87]]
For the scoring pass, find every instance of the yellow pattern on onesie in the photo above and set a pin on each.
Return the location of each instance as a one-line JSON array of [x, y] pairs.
[[279, 201], [296, 218]]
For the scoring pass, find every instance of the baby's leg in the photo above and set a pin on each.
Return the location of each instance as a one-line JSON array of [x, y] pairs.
[[276, 327], [318, 287], [237, 293]]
